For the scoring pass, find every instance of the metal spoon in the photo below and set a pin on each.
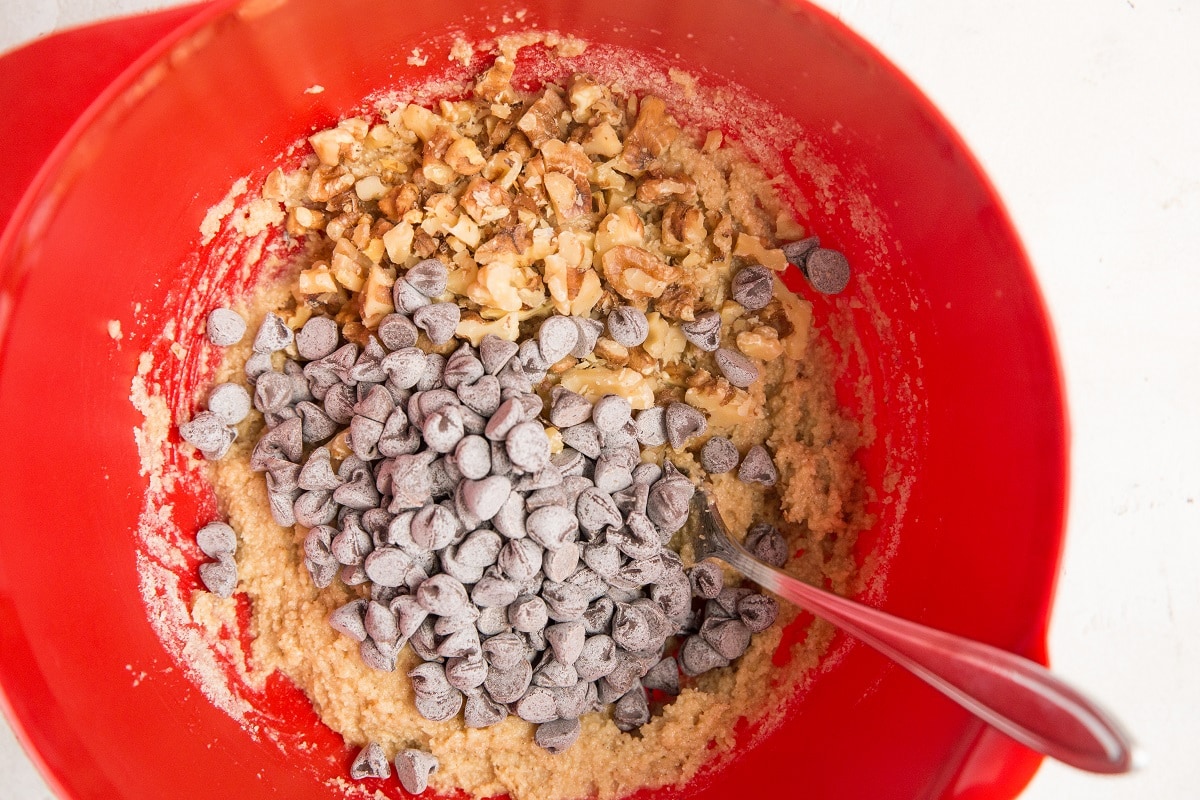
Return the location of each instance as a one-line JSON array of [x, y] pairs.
[[1015, 695]]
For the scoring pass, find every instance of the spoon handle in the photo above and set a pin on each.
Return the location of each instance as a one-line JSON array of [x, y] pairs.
[[1017, 696]]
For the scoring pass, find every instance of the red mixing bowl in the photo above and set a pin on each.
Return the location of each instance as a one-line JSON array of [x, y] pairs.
[[964, 388]]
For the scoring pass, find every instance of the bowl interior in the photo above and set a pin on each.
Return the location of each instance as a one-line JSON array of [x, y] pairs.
[[944, 341]]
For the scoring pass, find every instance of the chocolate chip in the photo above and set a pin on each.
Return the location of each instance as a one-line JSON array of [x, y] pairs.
[[630, 629], [428, 277], [557, 735], [598, 616], [697, 657], [504, 651], [380, 623], [584, 437], [611, 412], [729, 637], [552, 526], [520, 559], [230, 402], [707, 579], [482, 396], [589, 334], [628, 326], [406, 298], [827, 270], [220, 576], [439, 707], [632, 711], [315, 508], [564, 601], [317, 338], [737, 368], [673, 594], [767, 544], [423, 641], [463, 643], [795, 252], [752, 287], [597, 657], [682, 423], [315, 425], [216, 539], [560, 564], [466, 673], [438, 320], [444, 596], [413, 768], [207, 432], [726, 604], [553, 674], [481, 548], [491, 591], [527, 446], [396, 332], [462, 368], [596, 511], [510, 519], [481, 711], [668, 502], [638, 539], [718, 455], [528, 613], [757, 467], [537, 705], [663, 677], [568, 408], [443, 429], [405, 367], [758, 612], [225, 327], [650, 426], [507, 417], [387, 566], [273, 335], [704, 331], [349, 620], [493, 619], [556, 338], [370, 763], [566, 640], [611, 474], [377, 656], [508, 684], [495, 352]]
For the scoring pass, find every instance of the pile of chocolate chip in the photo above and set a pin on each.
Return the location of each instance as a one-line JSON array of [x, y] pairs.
[[530, 583]]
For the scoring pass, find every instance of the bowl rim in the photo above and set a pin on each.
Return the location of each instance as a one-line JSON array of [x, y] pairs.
[[210, 13]]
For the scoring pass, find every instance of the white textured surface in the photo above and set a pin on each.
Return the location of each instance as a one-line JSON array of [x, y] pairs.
[[1085, 114]]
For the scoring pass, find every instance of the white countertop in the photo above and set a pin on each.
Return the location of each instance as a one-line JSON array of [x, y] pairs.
[[1086, 115]]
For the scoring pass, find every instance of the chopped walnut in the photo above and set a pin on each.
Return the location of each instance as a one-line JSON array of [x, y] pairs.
[[495, 85], [652, 133], [682, 227], [612, 352], [657, 191], [328, 181], [543, 120], [399, 200], [463, 157], [637, 274], [678, 301], [508, 245]]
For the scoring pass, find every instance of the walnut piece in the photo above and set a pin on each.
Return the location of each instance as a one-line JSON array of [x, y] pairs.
[[651, 135], [543, 120], [637, 274]]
